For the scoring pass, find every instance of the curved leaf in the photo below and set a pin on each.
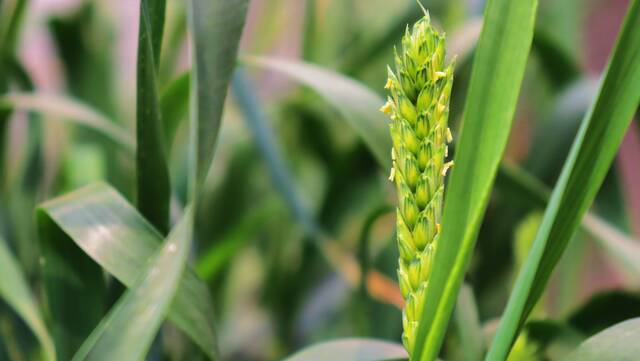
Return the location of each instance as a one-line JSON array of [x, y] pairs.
[[351, 349], [15, 292], [619, 342], [152, 171], [174, 102], [357, 104], [216, 27], [468, 325], [259, 127], [67, 108], [110, 231], [128, 330]]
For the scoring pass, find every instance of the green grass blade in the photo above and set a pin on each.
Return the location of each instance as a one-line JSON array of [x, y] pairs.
[[352, 349], [216, 27], [498, 69], [174, 103], [357, 104], [71, 110], [12, 17], [258, 125], [114, 235], [468, 325], [154, 11], [14, 290], [128, 330], [153, 184], [618, 342], [589, 160]]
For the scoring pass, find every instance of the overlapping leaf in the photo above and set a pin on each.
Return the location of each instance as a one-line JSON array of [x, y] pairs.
[[128, 330], [113, 234], [69, 109]]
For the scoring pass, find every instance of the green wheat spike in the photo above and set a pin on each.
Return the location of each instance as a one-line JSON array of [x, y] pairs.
[[419, 107]]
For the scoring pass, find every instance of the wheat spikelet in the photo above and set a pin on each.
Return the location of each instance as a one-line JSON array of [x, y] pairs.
[[419, 107]]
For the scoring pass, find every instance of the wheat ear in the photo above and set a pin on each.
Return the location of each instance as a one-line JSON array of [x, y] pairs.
[[418, 105]]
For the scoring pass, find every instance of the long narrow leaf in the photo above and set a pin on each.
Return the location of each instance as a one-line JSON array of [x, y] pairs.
[[591, 155], [14, 290], [264, 138], [128, 330], [113, 234], [354, 101], [498, 70], [69, 109], [174, 102], [468, 325], [153, 188], [216, 27]]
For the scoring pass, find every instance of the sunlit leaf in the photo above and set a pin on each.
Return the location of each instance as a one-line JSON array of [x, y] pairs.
[[113, 234], [128, 330]]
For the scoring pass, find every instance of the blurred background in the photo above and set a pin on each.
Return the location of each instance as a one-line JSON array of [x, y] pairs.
[[294, 179]]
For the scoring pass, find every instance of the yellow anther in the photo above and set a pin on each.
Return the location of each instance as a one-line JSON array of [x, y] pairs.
[[386, 108], [388, 84], [446, 167], [438, 228], [440, 74], [392, 175], [446, 150], [449, 136]]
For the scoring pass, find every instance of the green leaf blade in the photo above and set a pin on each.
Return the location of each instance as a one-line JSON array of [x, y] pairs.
[[153, 185], [356, 103], [71, 110], [498, 71]]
